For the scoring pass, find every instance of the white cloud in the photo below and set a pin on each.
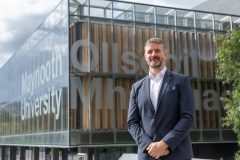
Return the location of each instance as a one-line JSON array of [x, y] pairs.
[[18, 8], [19, 18], [4, 34]]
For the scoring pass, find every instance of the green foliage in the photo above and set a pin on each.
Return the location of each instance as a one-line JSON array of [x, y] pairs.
[[228, 71], [228, 55], [237, 155]]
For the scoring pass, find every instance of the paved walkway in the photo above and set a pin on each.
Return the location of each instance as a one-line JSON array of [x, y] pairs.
[[129, 156]]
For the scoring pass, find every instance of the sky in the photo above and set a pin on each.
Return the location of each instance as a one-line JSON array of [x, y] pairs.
[[20, 18]]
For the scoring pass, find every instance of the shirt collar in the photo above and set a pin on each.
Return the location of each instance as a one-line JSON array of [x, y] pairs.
[[159, 75]]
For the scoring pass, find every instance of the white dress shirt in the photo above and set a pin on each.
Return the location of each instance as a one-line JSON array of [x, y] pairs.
[[155, 86]]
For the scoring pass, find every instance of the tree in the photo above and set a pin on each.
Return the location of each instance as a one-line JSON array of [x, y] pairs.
[[228, 71]]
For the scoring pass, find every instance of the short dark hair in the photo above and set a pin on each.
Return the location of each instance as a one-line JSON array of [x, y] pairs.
[[154, 40]]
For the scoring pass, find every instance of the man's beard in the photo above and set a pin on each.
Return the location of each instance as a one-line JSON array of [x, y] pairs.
[[158, 62]]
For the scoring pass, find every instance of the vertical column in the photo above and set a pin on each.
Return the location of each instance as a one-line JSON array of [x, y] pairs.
[[47, 154], [55, 154], [65, 154], [35, 153], [91, 154], [12, 153], [2, 153], [22, 153]]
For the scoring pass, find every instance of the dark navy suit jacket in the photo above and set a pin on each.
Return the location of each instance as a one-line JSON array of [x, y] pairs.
[[172, 120]]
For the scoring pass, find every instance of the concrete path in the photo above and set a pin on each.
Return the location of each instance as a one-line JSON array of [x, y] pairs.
[[129, 156]]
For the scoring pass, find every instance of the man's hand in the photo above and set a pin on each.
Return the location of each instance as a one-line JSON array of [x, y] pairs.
[[157, 149]]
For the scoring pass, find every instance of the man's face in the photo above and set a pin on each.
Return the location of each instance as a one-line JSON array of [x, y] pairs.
[[155, 55]]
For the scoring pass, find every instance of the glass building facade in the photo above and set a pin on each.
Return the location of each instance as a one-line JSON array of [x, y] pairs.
[[34, 86], [66, 90]]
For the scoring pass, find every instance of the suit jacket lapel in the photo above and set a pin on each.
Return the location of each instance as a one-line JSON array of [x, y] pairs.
[[147, 89], [165, 83]]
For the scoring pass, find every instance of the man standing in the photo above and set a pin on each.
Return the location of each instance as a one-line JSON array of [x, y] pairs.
[[161, 109]]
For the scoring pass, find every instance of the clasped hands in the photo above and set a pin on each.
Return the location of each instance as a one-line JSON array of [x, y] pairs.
[[157, 149]]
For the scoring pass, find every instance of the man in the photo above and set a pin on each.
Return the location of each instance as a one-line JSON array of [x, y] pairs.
[[161, 109]]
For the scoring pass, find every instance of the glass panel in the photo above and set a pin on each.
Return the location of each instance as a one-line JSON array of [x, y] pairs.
[[123, 50], [195, 136], [211, 135], [96, 12], [187, 57], [80, 103], [210, 105], [144, 13], [236, 22], [79, 7], [36, 86], [204, 20], [222, 22], [165, 16], [207, 54], [100, 3], [228, 135], [101, 41], [185, 18], [123, 11]]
